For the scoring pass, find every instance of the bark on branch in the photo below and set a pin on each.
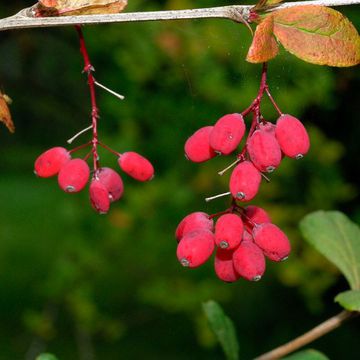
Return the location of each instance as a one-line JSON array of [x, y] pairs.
[[238, 13]]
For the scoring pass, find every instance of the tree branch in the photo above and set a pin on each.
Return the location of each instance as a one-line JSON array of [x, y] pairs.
[[315, 333], [24, 19]]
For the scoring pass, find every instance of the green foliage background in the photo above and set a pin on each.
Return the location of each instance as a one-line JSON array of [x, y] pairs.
[[84, 286]]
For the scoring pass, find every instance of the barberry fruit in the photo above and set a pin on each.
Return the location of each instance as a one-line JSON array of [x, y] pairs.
[[292, 136], [99, 196], [229, 230], [249, 261], [197, 146], [227, 133], [194, 221], [195, 248], [112, 182], [224, 266], [74, 175], [264, 151], [50, 162], [272, 241], [245, 181], [136, 166], [255, 215]]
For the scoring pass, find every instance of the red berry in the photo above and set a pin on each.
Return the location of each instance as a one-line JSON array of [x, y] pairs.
[[272, 241], [264, 151], [249, 261], [292, 136], [247, 236], [224, 266], [74, 175], [255, 215], [99, 196], [268, 127], [227, 133], [229, 230], [195, 248], [136, 166], [50, 162], [197, 147], [245, 181], [112, 182], [194, 221]]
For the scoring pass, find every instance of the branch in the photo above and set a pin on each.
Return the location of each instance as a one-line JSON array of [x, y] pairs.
[[313, 334], [24, 19]]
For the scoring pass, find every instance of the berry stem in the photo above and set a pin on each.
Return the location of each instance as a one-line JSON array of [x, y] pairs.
[[88, 68], [80, 147], [276, 106], [109, 149]]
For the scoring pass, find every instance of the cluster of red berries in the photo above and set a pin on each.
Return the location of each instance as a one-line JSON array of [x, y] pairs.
[[265, 147], [242, 236], [106, 185]]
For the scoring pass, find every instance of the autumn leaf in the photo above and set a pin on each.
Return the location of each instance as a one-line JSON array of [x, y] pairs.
[[78, 7], [264, 46], [5, 116], [318, 35]]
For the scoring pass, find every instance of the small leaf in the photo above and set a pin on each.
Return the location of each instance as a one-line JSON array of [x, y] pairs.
[[273, 2], [318, 35], [265, 4], [223, 328], [78, 7], [349, 300], [307, 355], [46, 356], [5, 115], [264, 46], [338, 239]]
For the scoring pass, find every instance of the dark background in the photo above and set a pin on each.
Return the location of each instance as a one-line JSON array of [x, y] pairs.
[[85, 286]]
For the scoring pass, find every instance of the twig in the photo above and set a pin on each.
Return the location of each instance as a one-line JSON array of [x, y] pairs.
[[24, 19], [315, 333]]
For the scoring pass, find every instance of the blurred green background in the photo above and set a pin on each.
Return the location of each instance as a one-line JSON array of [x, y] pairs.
[[85, 286]]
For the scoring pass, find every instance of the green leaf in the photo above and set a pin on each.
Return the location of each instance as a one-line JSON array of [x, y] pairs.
[[223, 328], [264, 46], [307, 355], [46, 356], [338, 239], [349, 300], [318, 35]]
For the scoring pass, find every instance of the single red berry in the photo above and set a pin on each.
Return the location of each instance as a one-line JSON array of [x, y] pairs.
[[99, 196], [50, 162], [136, 166], [249, 261], [247, 236], [229, 230], [194, 221], [264, 151], [268, 127], [292, 136], [227, 133], [272, 241], [197, 147], [255, 215], [224, 266], [245, 181], [74, 175], [195, 248], [112, 182]]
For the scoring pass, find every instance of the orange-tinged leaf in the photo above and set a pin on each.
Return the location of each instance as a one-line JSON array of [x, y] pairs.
[[264, 46], [5, 116], [78, 7], [318, 35]]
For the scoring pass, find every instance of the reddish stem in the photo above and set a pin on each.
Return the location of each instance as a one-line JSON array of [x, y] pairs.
[[80, 147], [276, 106], [88, 68], [109, 149]]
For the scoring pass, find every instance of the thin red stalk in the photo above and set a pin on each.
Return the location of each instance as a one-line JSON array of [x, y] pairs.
[[88, 68], [109, 149], [227, 211], [272, 100], [80, 147]]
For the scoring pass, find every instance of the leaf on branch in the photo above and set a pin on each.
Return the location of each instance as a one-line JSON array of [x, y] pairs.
[[318, 35], [264, 46], [223, 328], [349, 300], [307, 355], [266, 4], [78, 7], [338, 238], [5, 115]]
